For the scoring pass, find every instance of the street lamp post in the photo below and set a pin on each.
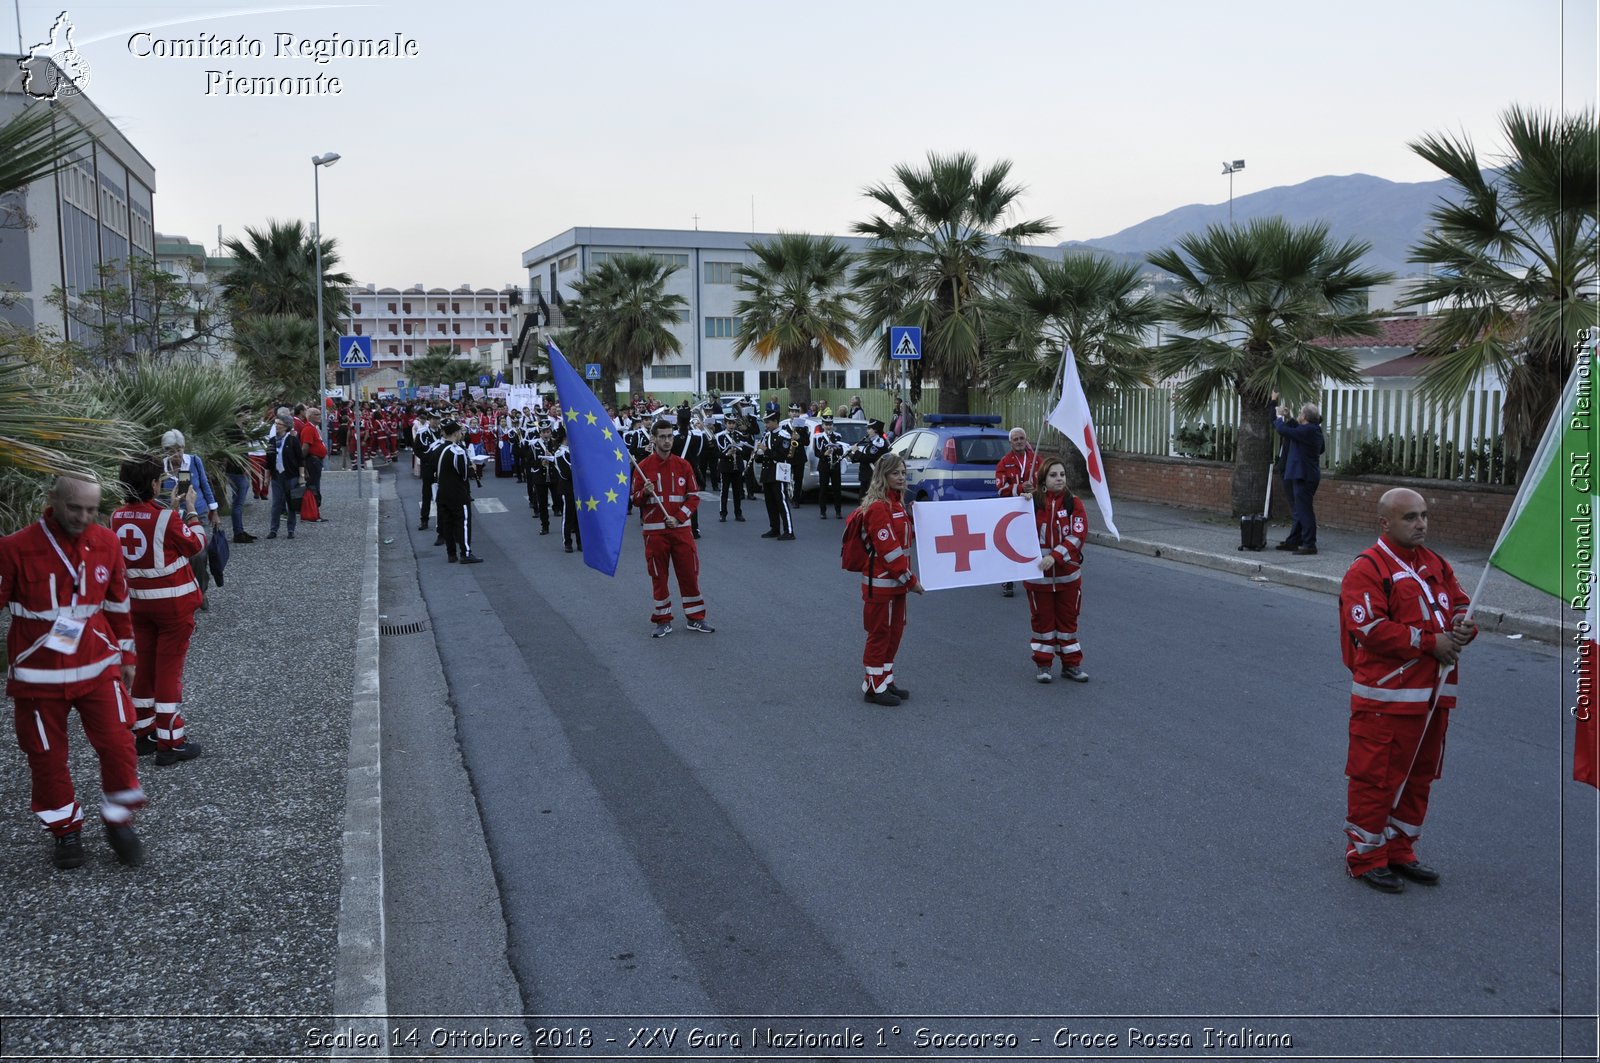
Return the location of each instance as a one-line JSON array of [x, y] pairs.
[[1229, 169], [317, 163]]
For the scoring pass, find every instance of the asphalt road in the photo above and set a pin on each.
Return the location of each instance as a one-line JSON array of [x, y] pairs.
[[718, 826]]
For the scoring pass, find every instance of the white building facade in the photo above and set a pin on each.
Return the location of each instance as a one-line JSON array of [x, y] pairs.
[[708, 281], [403, 324]]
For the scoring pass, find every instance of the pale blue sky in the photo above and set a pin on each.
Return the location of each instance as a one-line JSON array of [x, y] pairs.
[[519, 120]]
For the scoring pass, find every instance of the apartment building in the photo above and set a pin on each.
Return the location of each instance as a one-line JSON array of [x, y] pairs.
[[404, 323]]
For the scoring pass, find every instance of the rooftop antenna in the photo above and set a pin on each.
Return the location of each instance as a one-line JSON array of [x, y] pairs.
[[752, 215]]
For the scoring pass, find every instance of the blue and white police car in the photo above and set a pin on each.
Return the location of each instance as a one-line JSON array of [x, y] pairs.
[[952, 456]]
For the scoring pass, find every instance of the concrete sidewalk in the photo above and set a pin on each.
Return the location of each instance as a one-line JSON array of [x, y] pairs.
[[240, 922], [1195, 537]]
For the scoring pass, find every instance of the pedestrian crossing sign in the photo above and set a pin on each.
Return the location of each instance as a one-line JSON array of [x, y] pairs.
[[905, 342], [355, 352]]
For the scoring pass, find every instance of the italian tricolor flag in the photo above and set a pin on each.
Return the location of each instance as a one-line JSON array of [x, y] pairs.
[[1548, 540]]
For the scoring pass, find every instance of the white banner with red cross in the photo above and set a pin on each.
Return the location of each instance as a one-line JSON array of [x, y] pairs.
[[976, 542]]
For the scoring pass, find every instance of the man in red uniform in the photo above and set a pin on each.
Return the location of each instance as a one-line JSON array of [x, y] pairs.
[[1403, 624], [886, 578], [70, 643], [666, 495], [157, 542], [1055, 596], [1015, 477]]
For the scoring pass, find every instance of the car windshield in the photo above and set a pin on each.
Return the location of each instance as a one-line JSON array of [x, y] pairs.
[[852, 432], [981, 450]]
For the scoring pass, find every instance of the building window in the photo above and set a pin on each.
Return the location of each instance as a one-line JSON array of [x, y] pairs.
[[394, 348], [441, 330], [408, 350], [394, 330], [536, 284], [600, 258], [457, 328], [723, 383], [568, 262], [869, 379], [671, 260], [669, 372], [769, 380], [406, 307], [408, 330], [502, 308], [355, 308], [505, 328], [722, 272], [440, 306], [391, 308], [721, 328], [831, 378], [358, 329]]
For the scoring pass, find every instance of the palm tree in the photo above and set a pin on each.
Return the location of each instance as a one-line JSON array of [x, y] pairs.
[[274, 272], [1256, 303], [628, 313], [36, 143], [1090, 303], [935, 257], [1513, 261], [279, 350], [443, 364], [794, 306]]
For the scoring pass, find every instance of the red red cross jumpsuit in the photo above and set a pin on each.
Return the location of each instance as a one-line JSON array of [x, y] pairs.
[[1014, 470], [156, 546], [1055, 597], [672, 480], [44, 575], [883, 588], [1394, 605]]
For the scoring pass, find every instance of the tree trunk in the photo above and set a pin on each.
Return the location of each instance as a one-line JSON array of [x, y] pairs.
[[636, 383], [1253, 454], [799, 385], [955, 396]]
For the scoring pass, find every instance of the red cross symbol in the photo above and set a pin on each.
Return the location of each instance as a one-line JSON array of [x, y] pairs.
[[1093, 452], [962, 541]]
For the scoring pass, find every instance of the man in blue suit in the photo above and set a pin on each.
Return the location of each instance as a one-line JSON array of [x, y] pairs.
[[1301, 472]]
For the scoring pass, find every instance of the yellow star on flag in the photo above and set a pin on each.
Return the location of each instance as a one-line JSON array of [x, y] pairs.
[[622, 477], [618, 453], [611, 496], [606, 432], [593, 503], [572, 415]]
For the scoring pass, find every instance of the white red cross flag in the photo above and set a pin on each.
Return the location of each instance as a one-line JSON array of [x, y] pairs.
[[1071, 418], [976, 542]]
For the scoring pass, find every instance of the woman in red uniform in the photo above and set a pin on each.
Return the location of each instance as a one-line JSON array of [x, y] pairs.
[[887, 577], [1055, 596], [158, 539]]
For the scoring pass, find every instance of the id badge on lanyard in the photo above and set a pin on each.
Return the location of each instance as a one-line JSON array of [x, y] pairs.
[[67, 631]]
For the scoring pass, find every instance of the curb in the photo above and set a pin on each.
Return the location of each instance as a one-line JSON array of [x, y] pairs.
[[1502, 623], [360, 984]]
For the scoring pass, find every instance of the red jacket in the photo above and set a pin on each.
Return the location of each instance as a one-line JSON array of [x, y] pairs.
[[890, 534], [1394, 604], [1063, 525], [156, 546], [676, 492], [1013, 470], [43, 575], [311, 443]]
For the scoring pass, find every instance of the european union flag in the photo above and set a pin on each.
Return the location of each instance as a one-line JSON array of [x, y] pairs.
[[601, 471]]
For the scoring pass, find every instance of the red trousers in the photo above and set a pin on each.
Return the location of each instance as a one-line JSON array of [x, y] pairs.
[[106, 717], [161, 639], [1381, 747], [259, 479], [1054, 609], [675, 548], [884, 617]]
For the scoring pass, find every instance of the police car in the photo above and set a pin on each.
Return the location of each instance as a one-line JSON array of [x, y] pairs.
[[952, 456]]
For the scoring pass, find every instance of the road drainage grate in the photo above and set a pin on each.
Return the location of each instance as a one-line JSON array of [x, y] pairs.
[[415, 628]]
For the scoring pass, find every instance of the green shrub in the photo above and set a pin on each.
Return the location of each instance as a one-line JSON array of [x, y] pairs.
[[1210, 442]]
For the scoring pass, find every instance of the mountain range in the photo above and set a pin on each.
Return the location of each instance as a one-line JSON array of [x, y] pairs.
[[1389, 215]]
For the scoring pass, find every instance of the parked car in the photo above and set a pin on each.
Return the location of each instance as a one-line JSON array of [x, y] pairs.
[[952, 456], [851, 433]]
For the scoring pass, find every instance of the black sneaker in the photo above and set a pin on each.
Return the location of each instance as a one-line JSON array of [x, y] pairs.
[[69, 850], [1077, 675], [900, 692], [125, 843], [472, 560], [661, 631], [177, 754], [244, 537], [144, 745], [769, 535], [1008, 590], [886, 699], [738, 518]]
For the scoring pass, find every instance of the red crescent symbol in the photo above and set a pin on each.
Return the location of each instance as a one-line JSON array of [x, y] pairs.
[[1094, 453], [1002, 544]]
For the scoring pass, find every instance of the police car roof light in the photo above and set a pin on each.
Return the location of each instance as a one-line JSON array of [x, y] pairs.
[[937, 419]]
